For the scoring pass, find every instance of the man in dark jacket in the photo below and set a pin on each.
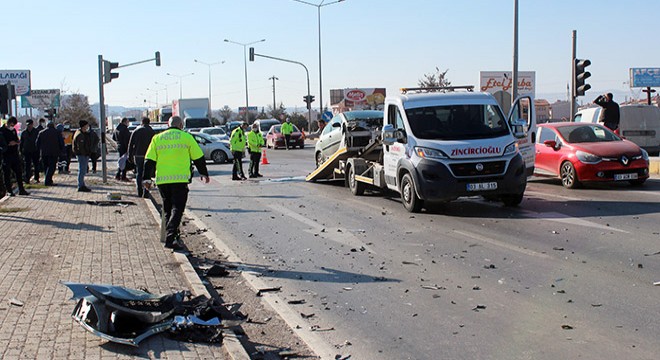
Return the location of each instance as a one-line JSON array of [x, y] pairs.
[[609, 116], [82, 148], [11, 158], [122, 136], [30, 151], [137, 148], [50, 143]]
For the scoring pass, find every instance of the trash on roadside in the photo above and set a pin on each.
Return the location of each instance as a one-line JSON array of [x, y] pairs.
[[567, 327], [128, 316], [307, 316], [15, 302], [479, 307], [122, 203], [657, 283], [214, 270], [113, 196], [296, 302], [265, 290]]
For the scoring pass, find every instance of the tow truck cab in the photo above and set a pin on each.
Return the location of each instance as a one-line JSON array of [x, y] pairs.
[[441, 146]]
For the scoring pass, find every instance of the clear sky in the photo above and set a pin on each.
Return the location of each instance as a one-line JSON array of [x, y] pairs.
[[365, 43]]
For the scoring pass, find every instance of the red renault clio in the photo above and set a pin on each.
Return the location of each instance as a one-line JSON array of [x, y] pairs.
[[582, 152]]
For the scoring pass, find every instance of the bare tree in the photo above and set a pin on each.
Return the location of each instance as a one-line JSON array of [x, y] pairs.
[[275, 113], [226, 113], [434, 79], [76, 107]]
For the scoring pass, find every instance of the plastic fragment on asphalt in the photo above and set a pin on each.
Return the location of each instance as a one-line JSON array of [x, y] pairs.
[[657, 283], [567, 327], [307, 316], [15, 302], [479, 307], [265, 290]]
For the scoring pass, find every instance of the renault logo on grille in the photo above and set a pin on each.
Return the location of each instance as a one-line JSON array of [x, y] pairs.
[[625, 160], [479, 167]]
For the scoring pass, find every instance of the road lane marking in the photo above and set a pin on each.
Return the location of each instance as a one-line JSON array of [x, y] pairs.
[[566, 219], [543, 194], [503, 244]]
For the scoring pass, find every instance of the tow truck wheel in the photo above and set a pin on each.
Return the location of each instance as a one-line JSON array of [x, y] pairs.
[[512, 199], [411, 201], [357, 188], [319, 159]]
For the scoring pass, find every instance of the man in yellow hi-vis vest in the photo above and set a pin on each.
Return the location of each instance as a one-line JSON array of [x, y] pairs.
[[168, 158], [287, 129]]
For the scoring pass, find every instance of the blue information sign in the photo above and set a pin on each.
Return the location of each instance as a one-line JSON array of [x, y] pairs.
[[644, 77]]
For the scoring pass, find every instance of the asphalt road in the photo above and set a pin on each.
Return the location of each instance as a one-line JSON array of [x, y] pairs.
[[569, 274]]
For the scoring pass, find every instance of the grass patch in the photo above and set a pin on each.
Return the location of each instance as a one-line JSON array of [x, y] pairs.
[[9, 210], [35, 186]]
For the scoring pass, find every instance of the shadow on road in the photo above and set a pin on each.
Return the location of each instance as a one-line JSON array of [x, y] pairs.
[[326, 275]]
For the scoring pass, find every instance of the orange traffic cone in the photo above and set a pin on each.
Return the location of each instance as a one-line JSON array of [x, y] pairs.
[[264, 159]]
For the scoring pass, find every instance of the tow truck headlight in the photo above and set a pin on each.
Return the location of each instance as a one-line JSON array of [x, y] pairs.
[[511, 148], [588, 158], [426, 153]]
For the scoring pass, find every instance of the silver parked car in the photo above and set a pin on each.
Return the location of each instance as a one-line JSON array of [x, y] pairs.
[[216, 150], [360, 123], [215, 132]]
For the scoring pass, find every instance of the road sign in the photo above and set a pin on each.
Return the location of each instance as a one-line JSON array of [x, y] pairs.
[[19, 78], [41, 99], [644, 77], [327, 116]]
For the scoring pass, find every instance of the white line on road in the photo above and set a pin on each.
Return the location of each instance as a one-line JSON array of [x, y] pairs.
[[566, 219], [503, 244]]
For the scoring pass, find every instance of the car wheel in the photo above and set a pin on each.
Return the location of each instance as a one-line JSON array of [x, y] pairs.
[[638, 182], [357, 188], [512, 199], [568, 175], [320, 159], [411, 201], [219, 157]]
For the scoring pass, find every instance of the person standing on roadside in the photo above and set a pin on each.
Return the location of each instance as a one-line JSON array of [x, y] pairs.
[[30, 151], [82, 148], [42, 125], [50, 143], [609, 116], [168, 159], [122, 136], [255, 141], [11, 158], [96, 149], [137, 149], [287, 129], [237, 146]]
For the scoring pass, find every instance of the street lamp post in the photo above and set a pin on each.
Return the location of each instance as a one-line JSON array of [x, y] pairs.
[[180, 82], [273, 78], [319, 6], [245, 45], [209, 65]]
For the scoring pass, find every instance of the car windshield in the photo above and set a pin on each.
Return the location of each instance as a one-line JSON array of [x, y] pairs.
[[214, 131], [453, 122], [197, 123], [264, 126], [364, 120], [206, 137], [586, 133]]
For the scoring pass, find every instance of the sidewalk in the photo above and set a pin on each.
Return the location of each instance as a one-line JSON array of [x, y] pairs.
[[53, 235]]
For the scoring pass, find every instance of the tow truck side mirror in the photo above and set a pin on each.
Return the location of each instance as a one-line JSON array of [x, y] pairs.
[[388, 134]]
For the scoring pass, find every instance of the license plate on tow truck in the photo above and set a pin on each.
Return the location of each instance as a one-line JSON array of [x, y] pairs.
[[631, 176], [482, 186]]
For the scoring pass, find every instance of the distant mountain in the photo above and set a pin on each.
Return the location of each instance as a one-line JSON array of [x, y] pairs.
[[117, 110]]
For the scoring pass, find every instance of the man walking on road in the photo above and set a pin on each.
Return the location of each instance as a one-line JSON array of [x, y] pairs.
[[286, 130], [122, 136], [50, 143], [30, 151], [168, 159], [11, 158], [82, 148], [255, 141], [237, 146], [137, 148], [609, 116]]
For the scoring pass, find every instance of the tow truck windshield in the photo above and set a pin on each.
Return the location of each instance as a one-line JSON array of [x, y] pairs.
[[457, 122]]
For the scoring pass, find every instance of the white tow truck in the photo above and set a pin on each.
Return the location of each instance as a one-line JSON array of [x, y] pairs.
[[436, 147]]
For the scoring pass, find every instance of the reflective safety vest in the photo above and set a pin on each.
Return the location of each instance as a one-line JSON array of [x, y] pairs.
[[173, 150], [287, 128], [255, 141], [237, 140]]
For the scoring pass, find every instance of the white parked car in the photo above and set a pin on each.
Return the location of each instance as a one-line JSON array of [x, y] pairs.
[[215, 132], [216, 150]]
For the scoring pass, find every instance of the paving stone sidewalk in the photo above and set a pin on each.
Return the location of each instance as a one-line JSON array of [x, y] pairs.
[[54, 234]]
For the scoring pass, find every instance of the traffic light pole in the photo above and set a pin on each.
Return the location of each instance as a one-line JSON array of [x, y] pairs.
[[573, 57], [102, 120], [309, 107]]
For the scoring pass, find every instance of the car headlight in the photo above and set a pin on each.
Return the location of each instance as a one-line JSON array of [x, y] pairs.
[[426, 153], [588, 158], [511, 148], [645, 155]]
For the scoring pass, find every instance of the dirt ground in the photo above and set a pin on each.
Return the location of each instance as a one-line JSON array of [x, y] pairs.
[[265, 335]]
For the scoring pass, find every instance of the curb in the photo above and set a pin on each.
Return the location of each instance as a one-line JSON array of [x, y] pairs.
[[230, 343]]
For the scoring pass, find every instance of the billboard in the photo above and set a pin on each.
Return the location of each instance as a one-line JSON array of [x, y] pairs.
[[19, 78], [358, 98], [500, 85], [644, 77], [41, 99]]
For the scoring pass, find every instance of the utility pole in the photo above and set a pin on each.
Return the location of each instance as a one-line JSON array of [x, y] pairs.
[[573, 57], [273, 78], [515, 51]]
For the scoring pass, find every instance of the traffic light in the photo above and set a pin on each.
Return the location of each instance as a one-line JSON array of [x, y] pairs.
[[108, 75], [581, 75], [157, 58], [50, 113], [251, 54], [308, 99]]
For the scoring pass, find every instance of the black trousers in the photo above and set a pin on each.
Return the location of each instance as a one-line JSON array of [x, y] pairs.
[[175, 197], [255, 158], [287, 140], [50, 163], [31, 160], [9, 165], [237, 170]]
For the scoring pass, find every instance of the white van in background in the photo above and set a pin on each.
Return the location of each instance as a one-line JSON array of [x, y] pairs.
[[639, 124]]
